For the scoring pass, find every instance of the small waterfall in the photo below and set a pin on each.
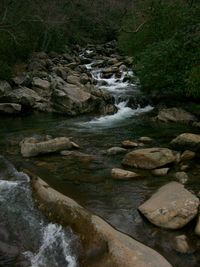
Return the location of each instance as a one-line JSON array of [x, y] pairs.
[[121, 88], [27, 239]]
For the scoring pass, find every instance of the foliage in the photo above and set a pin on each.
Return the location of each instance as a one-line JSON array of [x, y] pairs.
[[166, 47]]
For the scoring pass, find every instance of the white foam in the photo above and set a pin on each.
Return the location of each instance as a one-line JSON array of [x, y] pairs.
[[6, 185], [53, 237], [122, 114]]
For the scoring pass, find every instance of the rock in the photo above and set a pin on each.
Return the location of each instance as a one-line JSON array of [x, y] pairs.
[[181, 244], [187, 141], [184, 167], [24, 96], [197, 228], [145, 139], [171, 207], [196, 124], [5, 88], [30, 147], [72, 79], [149, 158], [76, 154], [116, 150], [104, 246], [10, 108], [40, 83], [22, 80], [160, 172], [120, 174], [129, 144], [187, 155], [182, 177], [175, 115]]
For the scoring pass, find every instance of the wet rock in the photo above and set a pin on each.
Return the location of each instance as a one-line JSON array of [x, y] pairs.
[[40, 83], [10, 108], [104, 242], [160, 172], [175, 115], [129, 144], [197, 228], [30, 147], [77, 154], [171, 207], [149, 158], [120, 174], [187, 155], [24, 96], [145, 139], [181, 244], [182, 177], [5, 88], [116, 150], [187, 141]]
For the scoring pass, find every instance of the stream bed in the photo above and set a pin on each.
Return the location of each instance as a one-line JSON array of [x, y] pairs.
[[89, 182]]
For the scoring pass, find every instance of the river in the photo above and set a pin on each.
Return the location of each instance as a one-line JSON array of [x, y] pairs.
[[88, 182]]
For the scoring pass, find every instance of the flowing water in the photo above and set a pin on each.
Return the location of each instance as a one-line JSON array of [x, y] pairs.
[[87, 181]]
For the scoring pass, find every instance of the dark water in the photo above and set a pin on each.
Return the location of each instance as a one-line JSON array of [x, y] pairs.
[[90, 182]]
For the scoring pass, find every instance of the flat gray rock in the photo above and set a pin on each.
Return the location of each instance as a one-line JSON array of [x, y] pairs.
[[172, 206]]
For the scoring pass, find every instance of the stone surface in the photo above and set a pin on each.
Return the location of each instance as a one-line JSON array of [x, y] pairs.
[[187, 155], [197, 228], [181, 244], [145, 139], [160, 172], [30, 147], [120, 174], [129, 144], [174, 115], [182, 177], [171, 207], [149, 158], [187, 141], [105, 244], [40, 83], [10, 108], [116, 150], [5, 88]]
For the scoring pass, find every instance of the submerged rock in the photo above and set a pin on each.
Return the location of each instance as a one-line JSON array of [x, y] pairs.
[[10, 108], [120, 174], [187, 141], [30, 147], [171, 207], [175, 115], [160, 172], [103, 245], [116, 150], [149, 158], [181, 244]]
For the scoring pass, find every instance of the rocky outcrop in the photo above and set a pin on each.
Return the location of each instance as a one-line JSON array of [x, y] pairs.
[[103, 246], [171, 207], [187, 141], [149, 158], [31, 147], [10, 108], [120, 174], [175, 115]]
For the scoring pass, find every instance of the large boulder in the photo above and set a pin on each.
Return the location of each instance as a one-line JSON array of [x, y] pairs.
[[77, 99], [24, 96], [30, 147], [104, 245], [10, 108], [171, 207], [149, 158], [40, 83], [187, 141], [175, 115]]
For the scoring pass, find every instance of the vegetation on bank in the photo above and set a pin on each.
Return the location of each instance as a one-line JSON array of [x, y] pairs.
[[163, 36]]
